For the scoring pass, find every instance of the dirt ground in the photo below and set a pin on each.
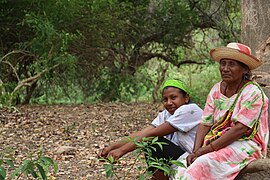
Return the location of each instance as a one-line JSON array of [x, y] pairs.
[[73, 134]]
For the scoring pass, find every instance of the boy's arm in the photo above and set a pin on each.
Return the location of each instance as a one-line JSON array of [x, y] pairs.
[[104, 152], [160, 131]]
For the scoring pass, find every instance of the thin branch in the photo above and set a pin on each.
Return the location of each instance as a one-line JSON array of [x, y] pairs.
[[29, 81], [15, 52], [13, 68], [189, 62], [169, 59]]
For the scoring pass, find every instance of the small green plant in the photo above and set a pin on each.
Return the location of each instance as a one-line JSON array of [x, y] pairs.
[[143, 149], [37, 167], [6, 101], [6, 159]]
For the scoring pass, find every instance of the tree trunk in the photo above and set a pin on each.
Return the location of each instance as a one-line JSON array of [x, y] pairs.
[[161, 77], [29, 92], [255, 33]]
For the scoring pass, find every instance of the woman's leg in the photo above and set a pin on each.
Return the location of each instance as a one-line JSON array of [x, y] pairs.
[[226, 163]]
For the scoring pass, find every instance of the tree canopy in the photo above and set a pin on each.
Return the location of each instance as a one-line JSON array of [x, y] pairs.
[[93, 50]]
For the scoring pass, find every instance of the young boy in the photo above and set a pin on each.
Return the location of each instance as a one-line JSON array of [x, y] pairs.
[[176, 126]]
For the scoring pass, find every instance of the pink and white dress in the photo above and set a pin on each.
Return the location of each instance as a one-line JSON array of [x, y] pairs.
[[227, 162]]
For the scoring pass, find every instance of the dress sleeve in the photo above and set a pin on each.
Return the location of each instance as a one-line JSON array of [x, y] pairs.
[[208, 112], [249, 106], [185, 117]]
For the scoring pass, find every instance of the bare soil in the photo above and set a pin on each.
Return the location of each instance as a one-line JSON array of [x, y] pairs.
[[85, 129]]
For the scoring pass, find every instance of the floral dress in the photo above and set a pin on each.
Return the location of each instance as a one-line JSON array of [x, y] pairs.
[[227, 162]]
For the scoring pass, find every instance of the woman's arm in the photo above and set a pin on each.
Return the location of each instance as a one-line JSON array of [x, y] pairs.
[[207, 118], [200, 134], [235, 133], [250, 106], [229, 137], [160, 131], [202, 130]]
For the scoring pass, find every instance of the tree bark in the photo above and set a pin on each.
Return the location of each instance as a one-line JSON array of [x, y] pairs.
[[161, 78], [255, 33], [29, 92]]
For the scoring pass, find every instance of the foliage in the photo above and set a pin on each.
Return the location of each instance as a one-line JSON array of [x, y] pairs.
[[43, 48], [196, 76], [143, 147], [38, 166], [90, 51], [199, 78]]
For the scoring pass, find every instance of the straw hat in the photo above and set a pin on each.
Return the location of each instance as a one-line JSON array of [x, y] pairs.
[[238, 52]]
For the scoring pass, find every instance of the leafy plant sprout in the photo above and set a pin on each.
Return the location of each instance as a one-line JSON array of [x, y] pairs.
[[37, 167], [143, 149]]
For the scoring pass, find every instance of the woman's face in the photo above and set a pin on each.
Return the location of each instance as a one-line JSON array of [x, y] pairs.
[[173, 98], [231, 70]]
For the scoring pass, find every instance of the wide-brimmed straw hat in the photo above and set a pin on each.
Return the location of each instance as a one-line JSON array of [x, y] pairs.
[[238, 52]]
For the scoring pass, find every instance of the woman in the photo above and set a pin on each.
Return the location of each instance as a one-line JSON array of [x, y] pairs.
[[177, 124], [234, 128]]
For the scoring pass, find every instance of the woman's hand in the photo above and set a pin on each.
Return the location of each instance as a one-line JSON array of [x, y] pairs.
[[191, 158], [199, 152]]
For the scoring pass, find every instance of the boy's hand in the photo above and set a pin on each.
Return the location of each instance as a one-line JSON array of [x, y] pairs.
[[116, 153], [103, 153]]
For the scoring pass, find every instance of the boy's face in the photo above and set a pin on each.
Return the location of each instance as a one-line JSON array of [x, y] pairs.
[[173, 98]]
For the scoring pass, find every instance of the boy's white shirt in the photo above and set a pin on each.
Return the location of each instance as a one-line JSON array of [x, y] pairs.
[[186, 119]]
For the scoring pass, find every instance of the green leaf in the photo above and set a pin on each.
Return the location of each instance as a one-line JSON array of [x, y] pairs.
[[160, 144], [41, 171], [154, 163], [17, 171], [10, 163], [33, 172], [154, 139], [55, 167], [47, 159], [108, 170], [111, 159], [177, 163], [2, 173], [141, 177], [139, 144], [21, 168], [29, 168], [152, 147], [166, 169], [28, 165]]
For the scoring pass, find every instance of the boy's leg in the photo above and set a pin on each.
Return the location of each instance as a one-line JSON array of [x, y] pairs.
[[169, 151]]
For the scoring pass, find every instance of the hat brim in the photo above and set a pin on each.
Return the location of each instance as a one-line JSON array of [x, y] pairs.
[[228, 53]]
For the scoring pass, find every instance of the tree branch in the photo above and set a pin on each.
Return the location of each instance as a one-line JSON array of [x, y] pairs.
[[13, 68], [29, 81], [168, 59]]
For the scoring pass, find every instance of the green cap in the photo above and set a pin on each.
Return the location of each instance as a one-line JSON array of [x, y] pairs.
[[178, 84]]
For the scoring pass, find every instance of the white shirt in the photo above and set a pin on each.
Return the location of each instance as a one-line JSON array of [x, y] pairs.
[[186, 119]]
